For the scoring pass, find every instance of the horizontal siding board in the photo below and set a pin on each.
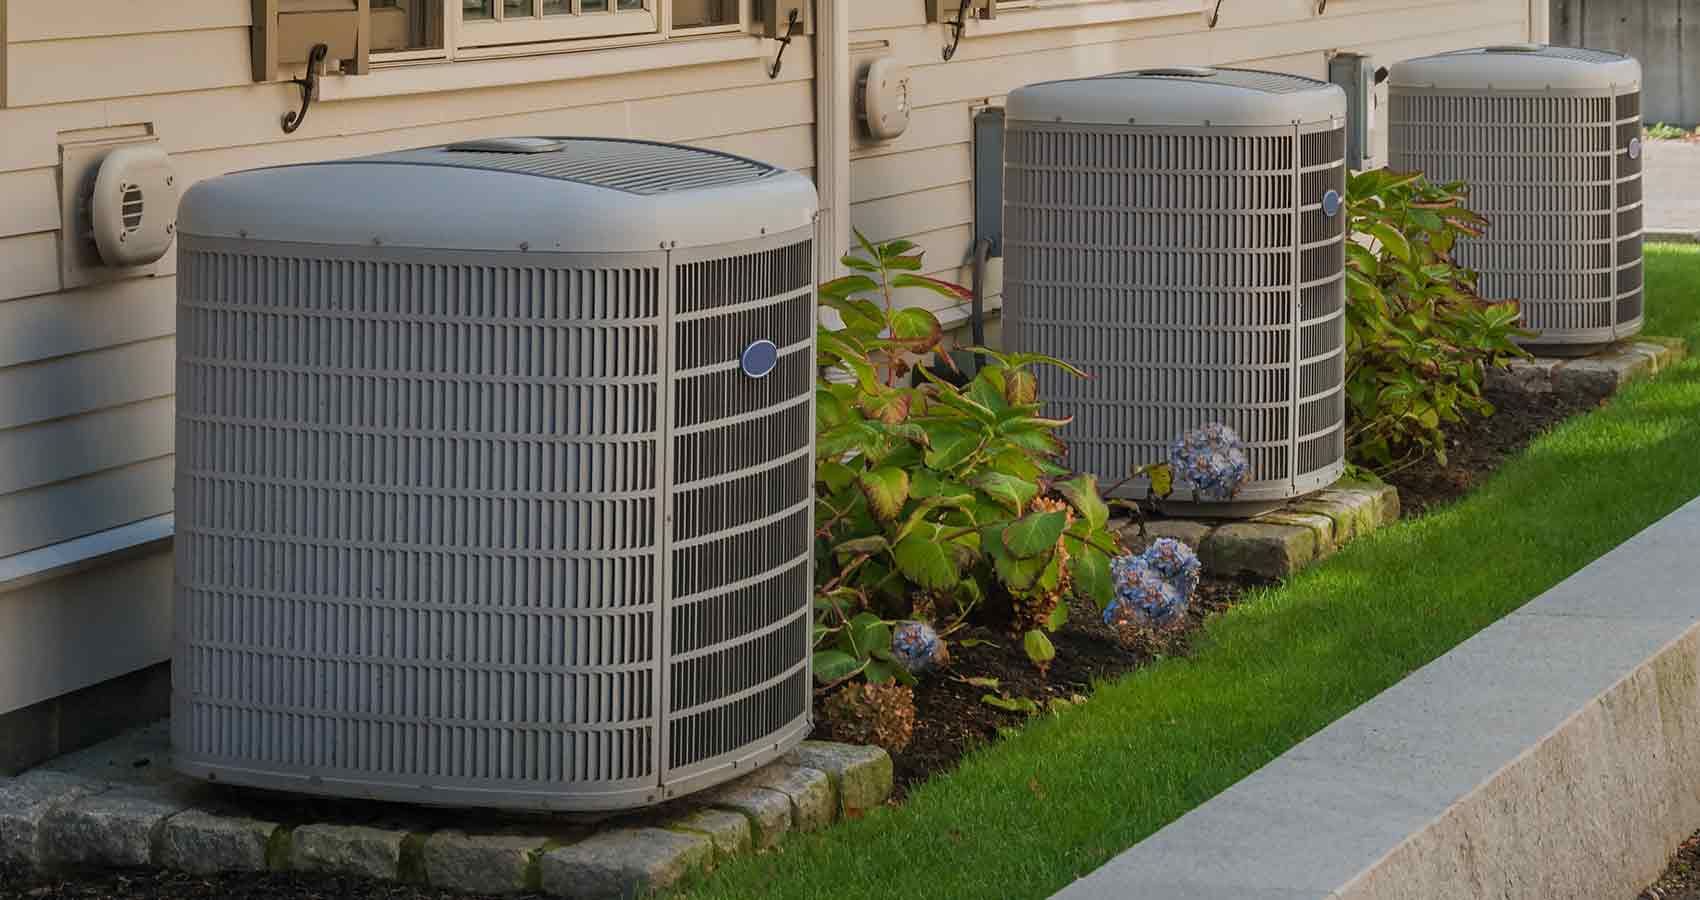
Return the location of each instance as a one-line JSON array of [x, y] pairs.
[[29, 202], [99, 379], [29, 265], [47, 20], [792, 147], [68, 509], [118, 312], [38, 455], [690, 117], [919, 211], [125, 66], [873, 178]]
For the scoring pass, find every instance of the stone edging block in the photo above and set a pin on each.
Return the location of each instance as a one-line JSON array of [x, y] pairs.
[[51, 818], [1598, 375], [1279, 543]]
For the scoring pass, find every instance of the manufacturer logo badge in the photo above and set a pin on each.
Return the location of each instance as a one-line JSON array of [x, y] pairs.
[[1634, 148], [759, 358], [1331, 204]]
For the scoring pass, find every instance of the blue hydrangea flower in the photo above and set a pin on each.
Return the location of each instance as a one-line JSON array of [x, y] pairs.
[[1176, 562], [918, 647], [1143, 596], [1212, 461]]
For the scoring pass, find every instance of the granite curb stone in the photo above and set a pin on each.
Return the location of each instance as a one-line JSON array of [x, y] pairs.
[[813, 805], [197, 841], [624, 863], [1599, 374], [769, 812], [1282, 541], [25, 801], [347, 850], [863, 777], [730, 831], [110, 828], [484, 864]]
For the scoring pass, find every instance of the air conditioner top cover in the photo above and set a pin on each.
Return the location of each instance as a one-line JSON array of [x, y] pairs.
[[1520, 67], [1182, 96], [560, 195]]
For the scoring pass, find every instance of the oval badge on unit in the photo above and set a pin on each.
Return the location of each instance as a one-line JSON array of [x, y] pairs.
[[759, 358]]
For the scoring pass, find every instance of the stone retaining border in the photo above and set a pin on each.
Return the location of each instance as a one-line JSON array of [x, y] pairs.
[[86, 810], [1279, 543], [1555, 754], [1599, 374]]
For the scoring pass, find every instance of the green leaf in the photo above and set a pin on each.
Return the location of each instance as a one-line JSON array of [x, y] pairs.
[[951, 447], [1082, 494], [1039, 648], [927, 563], [859, 264], [943, 288], [893, 249], [916, 328], [881, 672], [1012, 492], [1021, 388], [868, 633], [860, 546], [1391, 240], [904, 263], [1162, 479], [990, 684], [862, 317], [831, 665], [1035, 533], [842, 288], [1018, 704], [1089, 571], [1020, 574], [1059, 618], [835, 475]]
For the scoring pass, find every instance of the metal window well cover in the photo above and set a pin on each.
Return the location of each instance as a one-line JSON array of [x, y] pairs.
[[494, 474], [1548, 140], [1178, 234]]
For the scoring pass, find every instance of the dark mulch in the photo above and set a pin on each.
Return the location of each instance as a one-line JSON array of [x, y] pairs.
[[1478, 447], [1682, 880], [952, 718], [154, 885]]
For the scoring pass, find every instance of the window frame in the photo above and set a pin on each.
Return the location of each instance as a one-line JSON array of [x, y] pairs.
[[494, 39]]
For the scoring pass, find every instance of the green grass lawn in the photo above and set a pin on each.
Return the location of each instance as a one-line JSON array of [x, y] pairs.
[[1030, 814]]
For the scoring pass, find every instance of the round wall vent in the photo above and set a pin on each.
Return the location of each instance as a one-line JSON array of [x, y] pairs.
[[885, 99], [133, 210]]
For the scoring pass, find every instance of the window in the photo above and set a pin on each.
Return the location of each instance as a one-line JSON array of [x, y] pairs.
[[424, 29]]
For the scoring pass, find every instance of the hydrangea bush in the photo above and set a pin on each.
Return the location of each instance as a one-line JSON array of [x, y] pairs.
[[1210, 462], [1153, 589]]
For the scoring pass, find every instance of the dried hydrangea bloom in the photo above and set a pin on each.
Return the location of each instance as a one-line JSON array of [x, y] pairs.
[[1212, 461], [918, 647], [1175, 561], [1144, 598]]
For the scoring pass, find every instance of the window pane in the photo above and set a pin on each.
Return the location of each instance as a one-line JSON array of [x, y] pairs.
[[631, 4], [700, 13], [557, 7], [407, 25], [477, 9], [593, 6], [517, 9]]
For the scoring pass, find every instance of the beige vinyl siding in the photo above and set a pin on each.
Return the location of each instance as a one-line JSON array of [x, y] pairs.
[[86, 376], [919, 186]]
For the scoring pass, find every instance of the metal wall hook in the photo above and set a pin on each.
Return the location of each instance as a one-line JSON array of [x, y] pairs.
[[1216, 13], [795, 19], [309, 87], [957, 27]]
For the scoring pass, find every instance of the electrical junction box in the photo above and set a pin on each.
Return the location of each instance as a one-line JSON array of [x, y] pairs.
[[1355, 73]]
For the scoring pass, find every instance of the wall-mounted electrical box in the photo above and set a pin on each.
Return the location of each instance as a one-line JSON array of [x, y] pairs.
[[773, 17], [1356, 74], [884, 100], [285, 32], [947, 10]]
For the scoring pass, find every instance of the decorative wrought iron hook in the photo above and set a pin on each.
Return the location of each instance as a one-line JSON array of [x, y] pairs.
[[784, 42], [956, 28], [1321, 6], [309, 88], [1216, 13]]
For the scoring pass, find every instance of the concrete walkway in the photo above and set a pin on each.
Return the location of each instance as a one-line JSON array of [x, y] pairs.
[[1672, 174], [1556, 754]]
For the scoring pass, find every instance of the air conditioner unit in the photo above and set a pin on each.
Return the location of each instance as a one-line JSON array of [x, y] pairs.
[[494, 473], [1179, 233], [1548, 139]]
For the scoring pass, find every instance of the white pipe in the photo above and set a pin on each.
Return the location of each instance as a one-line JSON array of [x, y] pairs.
[[833, 124]]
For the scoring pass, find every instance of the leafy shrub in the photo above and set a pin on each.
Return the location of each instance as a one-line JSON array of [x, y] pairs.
[[938, 503], [1419, 339]]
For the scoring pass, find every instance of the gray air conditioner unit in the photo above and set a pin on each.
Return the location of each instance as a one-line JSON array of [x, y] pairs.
[[1180, 234], [494, 473], [1548, 139]]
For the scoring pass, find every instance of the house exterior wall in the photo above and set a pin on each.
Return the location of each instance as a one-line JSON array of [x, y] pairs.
[[86, 375]]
